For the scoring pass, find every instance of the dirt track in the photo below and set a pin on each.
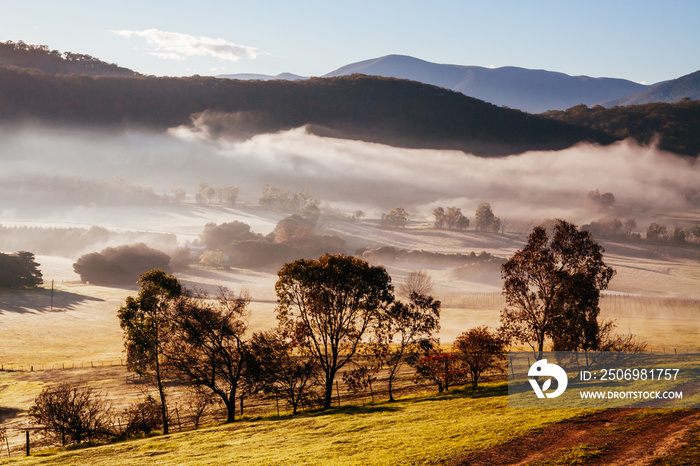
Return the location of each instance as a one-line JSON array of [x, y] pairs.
[[611, 437]]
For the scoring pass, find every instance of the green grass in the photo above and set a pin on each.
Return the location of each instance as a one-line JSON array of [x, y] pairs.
[[424, 429]]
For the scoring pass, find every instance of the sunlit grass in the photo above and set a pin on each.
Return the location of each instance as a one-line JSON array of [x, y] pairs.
[[421, 429]]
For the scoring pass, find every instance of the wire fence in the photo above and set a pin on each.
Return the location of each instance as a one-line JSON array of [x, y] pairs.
[[21, 436], [13, 367]]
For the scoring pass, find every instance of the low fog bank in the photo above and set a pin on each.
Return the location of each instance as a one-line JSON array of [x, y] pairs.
[[56, 170]]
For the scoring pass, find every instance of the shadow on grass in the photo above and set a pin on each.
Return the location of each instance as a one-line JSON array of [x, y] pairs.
[[359, 409], [8, 413], [483, 391], [39, 300]]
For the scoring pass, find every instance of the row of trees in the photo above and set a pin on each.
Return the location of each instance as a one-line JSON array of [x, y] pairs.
[[326, 307], [333, 312], [676, 235], [337, 312], [600, 202], [612, 228], [453, 219], [450, 218], [226, 195], [235, 244], [287, 201]]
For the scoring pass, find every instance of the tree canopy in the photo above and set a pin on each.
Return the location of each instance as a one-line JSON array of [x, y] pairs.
[[552, 289], [146, 321], [330, 303], [19, 270]]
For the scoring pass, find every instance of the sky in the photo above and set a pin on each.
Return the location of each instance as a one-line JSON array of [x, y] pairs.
[[639, 40]]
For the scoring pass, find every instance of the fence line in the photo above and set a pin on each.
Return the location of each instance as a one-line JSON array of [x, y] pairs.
[[11, 367]]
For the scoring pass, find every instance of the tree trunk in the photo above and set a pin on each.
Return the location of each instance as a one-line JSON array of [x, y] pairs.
[[161, 392], [391, 395], [328, 399], [230, 410]]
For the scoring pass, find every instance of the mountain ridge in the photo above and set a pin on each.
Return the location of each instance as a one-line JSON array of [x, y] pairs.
[[674, 90], [530, 90]]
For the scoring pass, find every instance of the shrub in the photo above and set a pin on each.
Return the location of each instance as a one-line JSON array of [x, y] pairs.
[[72, 411], [121, 265]]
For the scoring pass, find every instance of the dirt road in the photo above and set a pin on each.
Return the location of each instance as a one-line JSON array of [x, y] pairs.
[[610, 437]]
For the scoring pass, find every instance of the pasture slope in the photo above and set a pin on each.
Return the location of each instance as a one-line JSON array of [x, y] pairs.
[[654, 295], [462, 427]]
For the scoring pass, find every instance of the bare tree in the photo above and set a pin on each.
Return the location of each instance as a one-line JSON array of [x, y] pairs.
[[198, 399], [418, 282], [72, 410]]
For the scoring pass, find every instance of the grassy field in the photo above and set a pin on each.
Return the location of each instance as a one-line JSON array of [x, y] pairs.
[[427, 429], [654, 296]]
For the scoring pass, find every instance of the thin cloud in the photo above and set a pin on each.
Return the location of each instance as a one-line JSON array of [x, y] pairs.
[[178, 46]]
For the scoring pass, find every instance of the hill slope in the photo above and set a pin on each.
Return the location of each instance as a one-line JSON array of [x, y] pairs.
[[417, 430], [389, 111], [687, 86], [52, 61], [533, 91]]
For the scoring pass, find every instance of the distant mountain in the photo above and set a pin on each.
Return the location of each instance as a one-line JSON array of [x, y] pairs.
[[398, 112], [384, 110], [533, 91], [262, 77], [687, 86], [40, 57]]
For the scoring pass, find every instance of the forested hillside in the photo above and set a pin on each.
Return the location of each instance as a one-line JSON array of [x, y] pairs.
[[375, 109], [42, 58], [676, 125]]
